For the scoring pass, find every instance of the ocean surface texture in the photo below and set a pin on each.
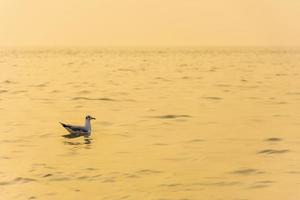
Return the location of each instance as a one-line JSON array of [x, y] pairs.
[[172, 123]]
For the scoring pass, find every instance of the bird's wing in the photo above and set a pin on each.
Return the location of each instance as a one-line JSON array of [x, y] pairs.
[[74, 129]]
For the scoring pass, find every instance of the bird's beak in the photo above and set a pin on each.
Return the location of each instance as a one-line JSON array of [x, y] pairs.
[[93, 118]]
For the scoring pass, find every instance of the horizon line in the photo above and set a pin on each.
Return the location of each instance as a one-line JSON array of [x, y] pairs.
[[148, 46]]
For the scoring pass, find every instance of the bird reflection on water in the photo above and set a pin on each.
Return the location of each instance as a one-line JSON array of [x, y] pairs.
[[86, 141]]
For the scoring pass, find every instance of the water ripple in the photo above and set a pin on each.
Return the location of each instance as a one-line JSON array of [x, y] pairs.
[[273, 151], [172, 116], [93, 99], [248, 171]]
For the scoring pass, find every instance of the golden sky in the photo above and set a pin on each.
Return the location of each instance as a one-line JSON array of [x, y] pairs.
[[149, 22]]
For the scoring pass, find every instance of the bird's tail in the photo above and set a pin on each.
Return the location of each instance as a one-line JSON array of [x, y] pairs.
[[64, 125]]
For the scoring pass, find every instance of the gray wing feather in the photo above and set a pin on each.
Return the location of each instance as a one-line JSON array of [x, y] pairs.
[[74, 129]]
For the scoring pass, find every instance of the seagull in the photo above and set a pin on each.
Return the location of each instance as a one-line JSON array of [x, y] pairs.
[[77, 131]]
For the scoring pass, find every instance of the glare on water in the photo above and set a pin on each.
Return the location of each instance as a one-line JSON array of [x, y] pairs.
[[172, 123]]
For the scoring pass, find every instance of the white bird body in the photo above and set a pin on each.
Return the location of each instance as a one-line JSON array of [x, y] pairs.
[[77, 131]]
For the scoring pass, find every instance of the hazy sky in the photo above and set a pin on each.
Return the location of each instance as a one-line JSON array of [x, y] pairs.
[[149, 22]]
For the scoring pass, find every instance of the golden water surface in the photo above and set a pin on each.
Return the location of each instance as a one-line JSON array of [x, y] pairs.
[[172, 123]]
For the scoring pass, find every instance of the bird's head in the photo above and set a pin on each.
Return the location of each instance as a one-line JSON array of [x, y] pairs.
[[89, 117]]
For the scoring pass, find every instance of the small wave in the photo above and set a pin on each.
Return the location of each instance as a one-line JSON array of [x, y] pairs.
[[217, 184], [194, 141], [160, 144], [213, 98], [273, 151], [90, 169], [261, 184], [55, 91], [93, 99], [140, 173], [47, 175], [223, 85], [162, 79], [293, 93], [281, 102], [84, 92], [131, 175], [17, 180], [172, 116], [83, 177], [267, 182], [148, 171], [5, 157], [172, 185], [223, 183], [280, 74], [258, 186], [9, 82], [125, 197], [273, 139], [248, 171], [3, 91], [40, 85]]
